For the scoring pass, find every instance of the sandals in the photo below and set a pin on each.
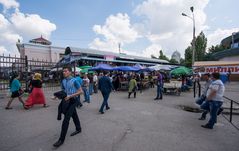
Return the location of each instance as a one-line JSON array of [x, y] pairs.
[[26, 107], [45, 105]]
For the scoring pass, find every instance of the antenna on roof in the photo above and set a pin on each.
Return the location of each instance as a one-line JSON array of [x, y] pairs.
[[119, 47]]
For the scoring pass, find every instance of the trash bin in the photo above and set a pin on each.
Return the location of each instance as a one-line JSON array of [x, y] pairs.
[[223, 77]]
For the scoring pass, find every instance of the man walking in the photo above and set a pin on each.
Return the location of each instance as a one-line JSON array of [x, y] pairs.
[[159, 86], [105, 86], [73, 89], [214, 99], [202, 98]]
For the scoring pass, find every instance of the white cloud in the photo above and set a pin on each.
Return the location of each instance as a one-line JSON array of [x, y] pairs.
[[3, 50], [167, 27], [117, 29], [218, 35], [161, 24], [7, 4], [152, 50], [8, 37], [19, 26], [32, 25]]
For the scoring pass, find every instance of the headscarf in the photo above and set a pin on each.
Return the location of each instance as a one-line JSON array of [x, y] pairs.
[[37, 76]]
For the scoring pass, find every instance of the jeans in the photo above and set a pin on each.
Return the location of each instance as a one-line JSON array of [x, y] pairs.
[[90, 88], [195, 87], [105, 101], [204, 114], [200, 100], [78, 101], [86, 94], [159, 91], [213, 107], [95, 88]]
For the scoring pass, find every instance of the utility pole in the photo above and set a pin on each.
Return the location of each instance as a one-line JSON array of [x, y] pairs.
[[194, 37], [119, 47]]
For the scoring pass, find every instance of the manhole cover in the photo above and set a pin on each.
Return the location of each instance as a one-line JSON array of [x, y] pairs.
[[190, 109]]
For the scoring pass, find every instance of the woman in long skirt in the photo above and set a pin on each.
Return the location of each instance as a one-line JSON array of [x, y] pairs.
[[37, 95]]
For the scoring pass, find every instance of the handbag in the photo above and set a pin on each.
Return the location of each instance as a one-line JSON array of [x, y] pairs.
[[134, 89]]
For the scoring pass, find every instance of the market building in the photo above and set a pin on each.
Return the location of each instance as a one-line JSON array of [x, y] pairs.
[[41, 49], [228, 59]]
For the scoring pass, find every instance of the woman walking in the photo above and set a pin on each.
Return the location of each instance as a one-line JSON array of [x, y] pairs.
[[37, 95], [132, 86], [15, 88]]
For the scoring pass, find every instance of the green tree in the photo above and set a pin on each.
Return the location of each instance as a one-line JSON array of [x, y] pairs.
[[173, 61], [200, 47], [212, 50], [182, 62], [200, 50], [217, 48], [162, 56], [188, 56]]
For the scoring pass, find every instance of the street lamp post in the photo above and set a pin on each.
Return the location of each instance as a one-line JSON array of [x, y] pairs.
[[194, 38]]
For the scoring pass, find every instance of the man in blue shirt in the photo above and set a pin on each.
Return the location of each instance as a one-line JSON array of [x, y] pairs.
[[72, 88]]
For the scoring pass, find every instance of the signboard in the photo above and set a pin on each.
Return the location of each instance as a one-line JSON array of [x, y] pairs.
[[220, 69], [109, 57]]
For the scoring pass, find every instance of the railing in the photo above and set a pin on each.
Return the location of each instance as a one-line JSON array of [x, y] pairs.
[[231, 112], [24, 67]]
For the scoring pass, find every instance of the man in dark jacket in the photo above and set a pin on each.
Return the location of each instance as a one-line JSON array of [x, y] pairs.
[[105, 86]]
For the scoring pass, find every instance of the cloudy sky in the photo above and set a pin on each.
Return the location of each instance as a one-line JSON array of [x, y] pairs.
[[142, 27]]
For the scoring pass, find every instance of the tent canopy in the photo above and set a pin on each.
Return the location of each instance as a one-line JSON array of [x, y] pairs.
[[101, 67], [160, 67], [181, 71], [126, 68]]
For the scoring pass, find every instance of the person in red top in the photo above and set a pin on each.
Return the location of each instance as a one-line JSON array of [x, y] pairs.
[[37, 95]]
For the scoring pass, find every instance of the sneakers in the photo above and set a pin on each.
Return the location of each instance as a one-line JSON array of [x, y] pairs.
[[101, 112], [207, 126], [219, 111], [107, 108], [202, 118]]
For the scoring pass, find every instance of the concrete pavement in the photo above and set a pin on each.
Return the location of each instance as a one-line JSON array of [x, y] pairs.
[[140, 124]]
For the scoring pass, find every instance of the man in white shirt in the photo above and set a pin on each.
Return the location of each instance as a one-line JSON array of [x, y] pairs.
[[95, 81], [214, 99]]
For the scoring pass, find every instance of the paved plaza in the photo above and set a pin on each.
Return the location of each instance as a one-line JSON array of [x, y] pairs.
[[139, 124]]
